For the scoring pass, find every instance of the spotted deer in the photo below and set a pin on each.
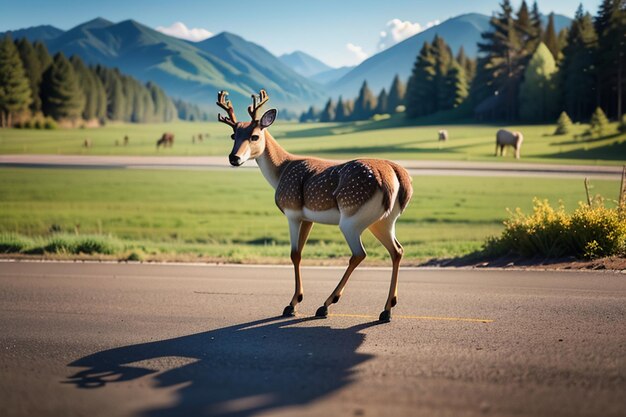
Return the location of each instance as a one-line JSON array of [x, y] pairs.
[[356, 195]]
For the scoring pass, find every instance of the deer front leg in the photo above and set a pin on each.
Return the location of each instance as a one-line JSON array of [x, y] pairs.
[[353, 237], [298, 234]]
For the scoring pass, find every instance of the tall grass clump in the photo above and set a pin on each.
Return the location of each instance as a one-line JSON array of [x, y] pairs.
[[591, 231], [12, 243]]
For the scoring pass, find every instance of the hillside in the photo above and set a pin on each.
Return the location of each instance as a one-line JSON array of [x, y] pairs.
[[304, 64], [34, 33]]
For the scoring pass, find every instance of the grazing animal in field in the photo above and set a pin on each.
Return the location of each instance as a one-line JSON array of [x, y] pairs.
[[507, 138], [87, 143], [126, 140], [443, 135], [167, 140], [356, 195], [200, 137]]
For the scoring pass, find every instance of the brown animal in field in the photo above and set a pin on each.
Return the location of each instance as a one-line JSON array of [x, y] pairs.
[[443, 135], [126, 140], [200, 137], [87, 143], [167, 140], [507, 138], [356, 195]]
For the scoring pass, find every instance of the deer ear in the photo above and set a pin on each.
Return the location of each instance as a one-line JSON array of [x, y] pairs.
[[268, 118]]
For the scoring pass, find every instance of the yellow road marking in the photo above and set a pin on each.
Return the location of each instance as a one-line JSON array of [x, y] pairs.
[[366, 316]]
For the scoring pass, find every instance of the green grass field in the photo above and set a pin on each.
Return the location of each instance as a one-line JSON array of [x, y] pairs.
[[391, 138], [230, 214]]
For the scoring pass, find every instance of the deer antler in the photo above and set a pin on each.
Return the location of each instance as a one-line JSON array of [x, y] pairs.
[[225, 104], [257, 103]]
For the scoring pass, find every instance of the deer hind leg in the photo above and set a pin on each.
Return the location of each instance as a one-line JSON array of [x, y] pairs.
[[352, 232], [384, 231], [298, 233]]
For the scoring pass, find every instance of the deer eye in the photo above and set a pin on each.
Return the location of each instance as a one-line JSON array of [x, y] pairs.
[[232, 136], [254, 138]]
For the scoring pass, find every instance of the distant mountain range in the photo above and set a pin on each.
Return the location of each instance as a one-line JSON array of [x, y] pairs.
[[195, 71]]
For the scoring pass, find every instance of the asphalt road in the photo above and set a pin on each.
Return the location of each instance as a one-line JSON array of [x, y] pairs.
[[197, 340], [513, 168]]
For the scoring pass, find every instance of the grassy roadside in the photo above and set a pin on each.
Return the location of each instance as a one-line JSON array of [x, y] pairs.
[[391, 138], [230, 215]]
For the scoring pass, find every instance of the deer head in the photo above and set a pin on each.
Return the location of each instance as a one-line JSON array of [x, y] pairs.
[[249, 136]]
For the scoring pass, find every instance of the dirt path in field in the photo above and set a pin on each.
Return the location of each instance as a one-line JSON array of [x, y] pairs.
[[220, 162]]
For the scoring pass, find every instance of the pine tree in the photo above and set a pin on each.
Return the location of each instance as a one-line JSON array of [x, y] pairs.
[[32, 68], [578, 76], [420, 92], [443, 60], [365, 103], [550, 38], [524, 26], [341, 112], [538, 91], [599, 122], [382, 106], [15, 93], [456, 84], [310, 115], [396, 94], [610, 26], [62, 97], [563, 124], [535, 21], [328, 114], [505, 55], [45, 60]]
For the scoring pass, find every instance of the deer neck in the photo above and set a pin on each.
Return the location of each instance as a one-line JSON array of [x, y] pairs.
[[272, 160]]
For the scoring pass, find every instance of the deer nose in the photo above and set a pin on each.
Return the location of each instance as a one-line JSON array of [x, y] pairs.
[[234, 160]]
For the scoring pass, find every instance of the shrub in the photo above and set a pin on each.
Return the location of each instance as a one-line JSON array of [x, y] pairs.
[[38, 124], [95, 244], [622, 124], [49, 123], [591, 231], [599, 123], [563, 124], [11, 243]]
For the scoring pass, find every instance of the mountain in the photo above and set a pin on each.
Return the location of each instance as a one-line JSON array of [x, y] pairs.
[[330, 76], [34, 33], [380, 69], [304, 64], [191, 71]]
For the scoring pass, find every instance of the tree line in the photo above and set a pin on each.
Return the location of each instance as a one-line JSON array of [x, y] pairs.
[[524, 71], [36, 84]]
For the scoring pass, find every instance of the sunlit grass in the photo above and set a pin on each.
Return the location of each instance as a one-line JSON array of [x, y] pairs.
[[231, 215]]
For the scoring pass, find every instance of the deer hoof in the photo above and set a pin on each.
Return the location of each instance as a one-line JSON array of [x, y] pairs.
[[322, 312], [385, 316], [289, 311]]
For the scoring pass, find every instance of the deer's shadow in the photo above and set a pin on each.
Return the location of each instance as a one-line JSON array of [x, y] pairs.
[[238, 370]]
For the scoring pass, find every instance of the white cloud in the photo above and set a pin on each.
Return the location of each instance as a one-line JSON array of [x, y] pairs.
[[357, 52], [180, 30], [397, 30]]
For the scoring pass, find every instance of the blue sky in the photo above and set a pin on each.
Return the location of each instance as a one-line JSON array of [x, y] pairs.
[[339, 32]]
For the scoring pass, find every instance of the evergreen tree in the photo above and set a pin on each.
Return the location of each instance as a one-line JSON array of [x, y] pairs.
[[610, 26], [328, 114], [382, 106], [33, 70], [578, 74], [89, 87], [550, 39], [420, 92], [563, 124], [599, 122], [505, 55], [456, 85], [341, 112], [116, 101], [62, 97], [535, 21], [443, 59], [15, 93], [396, 94], [538, 91], [365, 103], [524, 26], [467, 63], [45, 60]]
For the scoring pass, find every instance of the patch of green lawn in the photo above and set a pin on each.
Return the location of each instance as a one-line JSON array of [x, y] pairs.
[[230, 214]]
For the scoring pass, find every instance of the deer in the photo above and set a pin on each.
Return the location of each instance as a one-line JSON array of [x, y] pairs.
[[355, 195]]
